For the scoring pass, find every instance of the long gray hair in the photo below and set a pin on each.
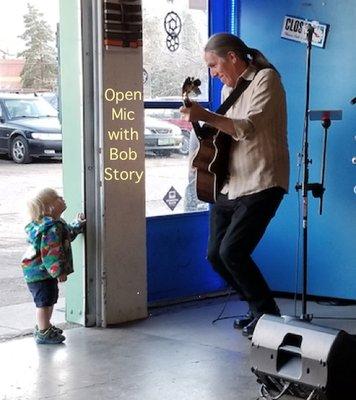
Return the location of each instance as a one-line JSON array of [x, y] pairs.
[[222, 43]]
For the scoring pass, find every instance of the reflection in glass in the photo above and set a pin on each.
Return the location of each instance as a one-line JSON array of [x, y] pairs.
[[164, 70], [170, 141], [170, 145]]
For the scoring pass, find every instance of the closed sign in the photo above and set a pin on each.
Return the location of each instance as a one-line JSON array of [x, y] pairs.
[[295, 29]]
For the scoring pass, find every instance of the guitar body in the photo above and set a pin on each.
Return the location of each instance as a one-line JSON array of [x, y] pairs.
[[212, 158], [211, 162]]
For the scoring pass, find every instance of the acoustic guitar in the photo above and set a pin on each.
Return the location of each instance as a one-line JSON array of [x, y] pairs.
[[212, 156]]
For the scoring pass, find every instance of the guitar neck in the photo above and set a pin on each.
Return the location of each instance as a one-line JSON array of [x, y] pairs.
[[196, 126]]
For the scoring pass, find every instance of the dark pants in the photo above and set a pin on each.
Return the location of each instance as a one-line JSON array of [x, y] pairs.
[[236, 227], [44, 293]]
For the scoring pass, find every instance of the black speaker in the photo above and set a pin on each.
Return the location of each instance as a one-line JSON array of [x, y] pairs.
[[302, 359]]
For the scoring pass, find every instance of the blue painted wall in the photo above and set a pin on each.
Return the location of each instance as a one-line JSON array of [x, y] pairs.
[[332, 237], [176, 245], [176, 251]]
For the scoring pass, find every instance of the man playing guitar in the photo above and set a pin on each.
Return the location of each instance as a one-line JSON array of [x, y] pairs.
[[258, 168]]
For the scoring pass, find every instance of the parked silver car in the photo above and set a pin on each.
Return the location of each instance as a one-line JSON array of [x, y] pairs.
[[162, 137]]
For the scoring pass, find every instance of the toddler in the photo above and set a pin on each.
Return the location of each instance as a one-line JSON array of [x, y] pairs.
[[48, 259]]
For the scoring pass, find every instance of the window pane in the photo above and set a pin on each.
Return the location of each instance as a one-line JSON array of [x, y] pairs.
[[170, 144], [165, 70]]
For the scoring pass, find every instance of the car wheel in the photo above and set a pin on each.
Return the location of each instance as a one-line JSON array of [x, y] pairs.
[[185, 145], [19, 150]]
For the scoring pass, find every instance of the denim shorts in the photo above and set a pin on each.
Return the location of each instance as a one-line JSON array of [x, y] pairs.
[[44, 293]]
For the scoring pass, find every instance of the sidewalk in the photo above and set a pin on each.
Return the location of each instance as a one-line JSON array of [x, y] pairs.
[[19, 320]]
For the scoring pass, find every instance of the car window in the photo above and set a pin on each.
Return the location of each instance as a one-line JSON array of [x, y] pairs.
[[52, 99], [29, 108]]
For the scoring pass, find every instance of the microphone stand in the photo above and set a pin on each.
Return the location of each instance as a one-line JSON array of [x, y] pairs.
[[325, 116], [326, 125], [305, 185], [317, 189]]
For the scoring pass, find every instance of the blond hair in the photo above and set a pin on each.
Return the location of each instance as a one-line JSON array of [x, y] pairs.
[[41, 204]]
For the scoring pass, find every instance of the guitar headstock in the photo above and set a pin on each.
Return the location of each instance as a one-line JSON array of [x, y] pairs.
[[190, 85]]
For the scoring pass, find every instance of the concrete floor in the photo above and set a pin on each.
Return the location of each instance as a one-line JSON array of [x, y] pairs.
[[176, 354]]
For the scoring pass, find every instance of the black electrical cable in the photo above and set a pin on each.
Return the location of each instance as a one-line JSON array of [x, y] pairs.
[[219, 318], [266, 394]]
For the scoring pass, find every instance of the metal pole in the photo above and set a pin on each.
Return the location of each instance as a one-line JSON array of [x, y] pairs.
[[306, 162], [326, 124]]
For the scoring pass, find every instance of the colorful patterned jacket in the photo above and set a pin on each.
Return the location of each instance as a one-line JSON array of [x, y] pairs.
[[49, 253]]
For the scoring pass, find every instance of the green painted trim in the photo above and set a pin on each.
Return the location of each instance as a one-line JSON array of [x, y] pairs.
[[72, 128]]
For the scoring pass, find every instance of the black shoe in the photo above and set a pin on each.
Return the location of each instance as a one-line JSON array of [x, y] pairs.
[[250, 328], [243, 321]]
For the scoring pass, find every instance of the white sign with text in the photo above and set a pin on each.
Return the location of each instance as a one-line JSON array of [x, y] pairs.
[[296, 29]]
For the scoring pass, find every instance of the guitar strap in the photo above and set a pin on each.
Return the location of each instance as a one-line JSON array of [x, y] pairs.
[[207, 129], [234, 95]]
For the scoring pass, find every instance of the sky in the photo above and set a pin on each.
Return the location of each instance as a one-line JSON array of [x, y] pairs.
[[11, 21], [12, 11]]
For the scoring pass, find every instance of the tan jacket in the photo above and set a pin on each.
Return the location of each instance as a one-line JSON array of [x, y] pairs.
[[259, 157]]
